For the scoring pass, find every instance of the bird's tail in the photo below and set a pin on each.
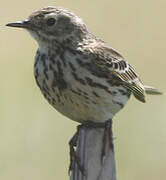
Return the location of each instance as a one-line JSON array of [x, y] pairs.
[[152, 91]]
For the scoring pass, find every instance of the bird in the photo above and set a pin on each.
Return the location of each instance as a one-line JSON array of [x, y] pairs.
[[80, 75]]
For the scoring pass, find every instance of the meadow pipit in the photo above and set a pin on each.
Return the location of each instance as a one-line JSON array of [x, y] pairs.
[[80, 75]]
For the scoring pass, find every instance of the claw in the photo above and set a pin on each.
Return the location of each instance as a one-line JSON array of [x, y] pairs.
[[74, 159], [73, 156]]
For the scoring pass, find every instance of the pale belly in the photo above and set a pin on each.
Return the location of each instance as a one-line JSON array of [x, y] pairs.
[[89, 107], [79, 95]]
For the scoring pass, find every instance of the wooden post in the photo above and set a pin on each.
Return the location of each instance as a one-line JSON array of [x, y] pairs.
[[89, 150]]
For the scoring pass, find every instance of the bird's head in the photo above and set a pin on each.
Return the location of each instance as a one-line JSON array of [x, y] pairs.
[[54, 24]]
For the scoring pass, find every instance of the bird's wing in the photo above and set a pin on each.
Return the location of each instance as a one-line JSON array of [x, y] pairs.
[[113, 62]]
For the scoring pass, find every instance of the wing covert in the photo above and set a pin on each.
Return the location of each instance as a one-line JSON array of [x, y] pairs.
[[121, 69]]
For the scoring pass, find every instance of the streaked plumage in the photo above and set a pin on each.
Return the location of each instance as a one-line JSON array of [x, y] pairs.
[[80, 75]]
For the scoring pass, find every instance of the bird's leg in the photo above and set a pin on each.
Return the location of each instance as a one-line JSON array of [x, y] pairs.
[[73, 145], [73, 156], [107, 136]]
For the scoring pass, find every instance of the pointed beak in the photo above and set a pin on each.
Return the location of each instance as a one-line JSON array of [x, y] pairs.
[[19, 24]]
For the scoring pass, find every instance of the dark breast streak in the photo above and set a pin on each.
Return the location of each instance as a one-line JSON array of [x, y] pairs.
[[50, 74]]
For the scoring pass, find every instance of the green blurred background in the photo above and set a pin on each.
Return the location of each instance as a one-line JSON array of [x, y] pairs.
[[34, 137]]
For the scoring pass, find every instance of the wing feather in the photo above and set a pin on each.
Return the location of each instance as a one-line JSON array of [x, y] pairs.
[[120, 68]]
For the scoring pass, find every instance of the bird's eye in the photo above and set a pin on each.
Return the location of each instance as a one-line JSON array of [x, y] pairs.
[[51, 21]]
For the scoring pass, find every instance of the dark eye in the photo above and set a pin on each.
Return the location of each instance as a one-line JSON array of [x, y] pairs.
[[51, 21]]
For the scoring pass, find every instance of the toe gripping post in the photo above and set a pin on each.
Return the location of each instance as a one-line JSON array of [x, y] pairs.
[[92, 152]]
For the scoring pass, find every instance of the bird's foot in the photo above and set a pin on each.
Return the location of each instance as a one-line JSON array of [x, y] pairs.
[[107, 136], [73, 155]]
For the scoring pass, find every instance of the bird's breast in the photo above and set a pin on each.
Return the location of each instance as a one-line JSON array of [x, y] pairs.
[[70, 84]]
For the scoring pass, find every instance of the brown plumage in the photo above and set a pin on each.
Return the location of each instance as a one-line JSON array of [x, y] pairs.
[[116, 65], [79, 74]]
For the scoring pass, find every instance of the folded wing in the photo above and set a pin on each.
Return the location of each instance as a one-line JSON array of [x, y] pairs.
[[108, 58]]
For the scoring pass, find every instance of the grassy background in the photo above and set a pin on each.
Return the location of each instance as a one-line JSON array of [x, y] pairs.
[[34, 137]]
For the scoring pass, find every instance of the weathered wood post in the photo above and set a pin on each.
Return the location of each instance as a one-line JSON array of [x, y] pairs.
[[89, 149]]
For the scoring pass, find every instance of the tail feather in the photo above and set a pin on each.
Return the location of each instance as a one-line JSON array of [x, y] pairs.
[[152, 91]]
